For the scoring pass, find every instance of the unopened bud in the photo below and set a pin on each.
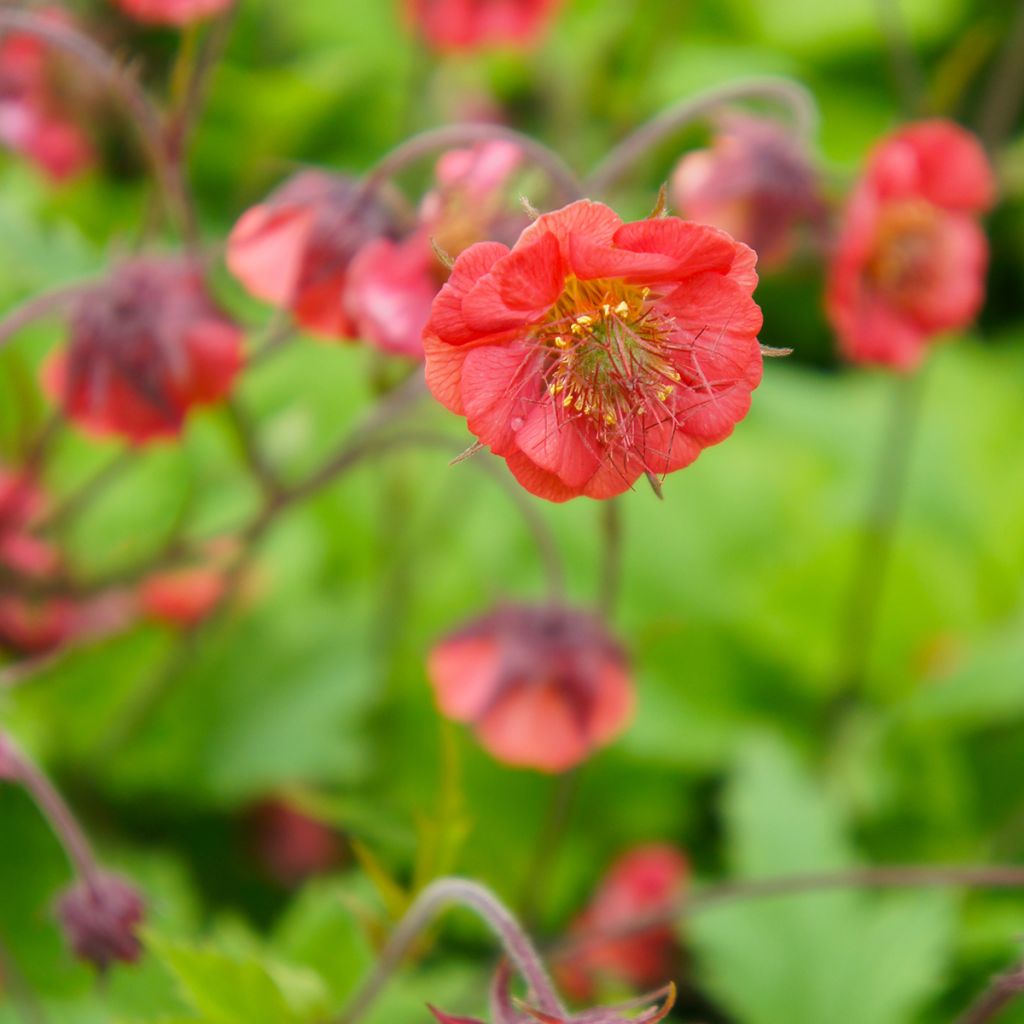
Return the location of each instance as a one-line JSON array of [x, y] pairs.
[[100, 917]]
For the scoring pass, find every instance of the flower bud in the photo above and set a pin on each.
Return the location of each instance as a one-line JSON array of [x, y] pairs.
[[100, 917]]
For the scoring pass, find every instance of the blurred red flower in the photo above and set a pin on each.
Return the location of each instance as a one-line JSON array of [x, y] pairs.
[[596, 351], [292, 846], [145, 346], [294, 249], [910, 259], [35, 116], [542, 686], [643, 881], [475, 24], [182, 597], [21, 503], [756, 181], [173, 12]]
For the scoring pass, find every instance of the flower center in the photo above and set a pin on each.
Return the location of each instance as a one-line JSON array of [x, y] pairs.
[[903, 259], [607, 353]]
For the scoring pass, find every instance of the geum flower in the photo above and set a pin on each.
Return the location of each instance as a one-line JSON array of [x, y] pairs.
[[294, 249], [478, 24], [542, 686], [644, 880], [35, 116], [173, 12], [910, 259], [594, 352], [756, 181], [145, 347], [100, 917]]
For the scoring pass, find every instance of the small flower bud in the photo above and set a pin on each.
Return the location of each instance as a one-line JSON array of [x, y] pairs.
[[99, 917]]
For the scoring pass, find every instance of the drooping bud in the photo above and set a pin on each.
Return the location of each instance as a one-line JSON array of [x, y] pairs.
[[182, 597], [542, 686], [146, 346], [290, 845], [756, 181], [173, 12], [100, 917]]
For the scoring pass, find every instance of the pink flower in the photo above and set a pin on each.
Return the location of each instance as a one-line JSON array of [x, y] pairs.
[[173, 12], [594, 352], [146, 346], [182, 597], [35, 116], [910, 260], [478, 24], [294, 249], [643, 881], [36, 625], [756, 182], [100, 917], [543, 687]]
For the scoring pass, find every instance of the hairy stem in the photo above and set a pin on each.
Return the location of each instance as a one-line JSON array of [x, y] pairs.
[[1002, 990], [434, 900], [627, 154], [48, 304]]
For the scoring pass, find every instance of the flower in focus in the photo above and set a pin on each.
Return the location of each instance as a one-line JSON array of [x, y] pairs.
[[594, 352], [476, 24], [35, 114], [294, 249], [145, 347], [542, 686], [182, 597], [910, 259], [643, 881], [393, 283], [172, 12], [100, 917], [290, 844], [756, 181]]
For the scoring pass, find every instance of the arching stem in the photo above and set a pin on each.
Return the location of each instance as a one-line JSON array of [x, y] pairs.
[[433, 901], [782, 92]]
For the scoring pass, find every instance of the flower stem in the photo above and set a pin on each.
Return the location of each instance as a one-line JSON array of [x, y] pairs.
[[434, 900], [53, 807], [419, 146], [49, 303], [866, 586], [627, 154], [1002, 990], [611, 563]]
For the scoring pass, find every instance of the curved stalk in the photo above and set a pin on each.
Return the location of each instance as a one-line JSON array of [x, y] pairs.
[[783, 92]]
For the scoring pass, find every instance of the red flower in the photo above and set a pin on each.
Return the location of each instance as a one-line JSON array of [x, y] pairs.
[[543, 687], [756, 182], [182, 597], [596, 351], [173, 12], [100, 917], [32, 626], [291, 845], [294, 249], [21, 503], [645, 880], [910, 260], [475, 24], [35, 118], [146, 346]]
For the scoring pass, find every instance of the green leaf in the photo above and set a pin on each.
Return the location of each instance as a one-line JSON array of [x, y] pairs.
[[844, 957]]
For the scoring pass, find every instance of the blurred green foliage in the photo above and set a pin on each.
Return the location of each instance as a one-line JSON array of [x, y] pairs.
[[731, 603]]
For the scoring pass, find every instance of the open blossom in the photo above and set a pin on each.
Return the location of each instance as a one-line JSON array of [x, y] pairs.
[[476, 24], [594, 351], [542, 686], [645, 880], [145, 347], [294, 249], [35, 118], [393, 283], [910, 260], [173, 12], [756, 181], [100, 917]]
